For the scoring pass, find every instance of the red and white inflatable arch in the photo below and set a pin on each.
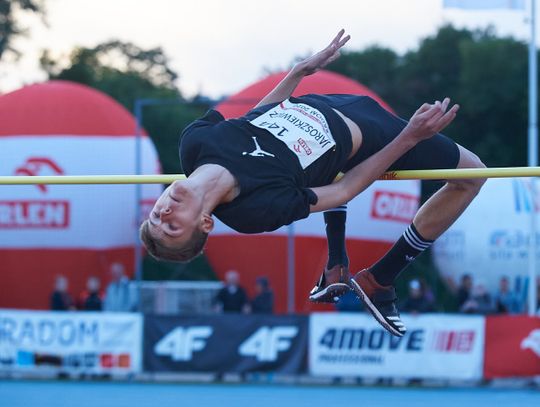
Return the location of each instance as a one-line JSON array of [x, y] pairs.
[[375, 219], [63, 128]]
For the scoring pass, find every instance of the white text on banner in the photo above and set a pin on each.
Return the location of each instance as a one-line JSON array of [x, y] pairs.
[[89, 342]]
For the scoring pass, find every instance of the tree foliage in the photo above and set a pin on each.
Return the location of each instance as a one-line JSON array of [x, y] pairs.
[[10, 27], [127, 73], [485, 74]]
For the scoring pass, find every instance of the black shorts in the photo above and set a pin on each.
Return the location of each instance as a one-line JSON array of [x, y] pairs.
[[379, 127]]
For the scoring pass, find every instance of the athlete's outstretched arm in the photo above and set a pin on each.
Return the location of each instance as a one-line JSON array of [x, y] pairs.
[[308, 66], [427, 121]]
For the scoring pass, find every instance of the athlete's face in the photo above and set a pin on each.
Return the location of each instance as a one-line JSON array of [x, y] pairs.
[[175, 215]]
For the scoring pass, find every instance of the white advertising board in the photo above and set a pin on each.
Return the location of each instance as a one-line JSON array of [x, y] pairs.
[[83, 342], [435, 346]]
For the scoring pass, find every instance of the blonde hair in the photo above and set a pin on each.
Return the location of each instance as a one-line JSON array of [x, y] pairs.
[[182, 253]]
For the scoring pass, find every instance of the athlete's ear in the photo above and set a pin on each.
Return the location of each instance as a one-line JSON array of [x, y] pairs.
[[207, 223]]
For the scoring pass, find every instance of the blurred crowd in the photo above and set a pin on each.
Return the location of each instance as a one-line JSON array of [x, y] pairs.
[[470, 297], [420, 299], [474, 298], [119, 295], [233, 297]]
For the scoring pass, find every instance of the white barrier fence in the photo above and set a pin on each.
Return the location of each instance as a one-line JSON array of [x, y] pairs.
[[436, 346], [82, 342]]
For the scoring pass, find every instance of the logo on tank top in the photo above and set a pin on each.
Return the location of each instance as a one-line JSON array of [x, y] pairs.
[[258, 152]]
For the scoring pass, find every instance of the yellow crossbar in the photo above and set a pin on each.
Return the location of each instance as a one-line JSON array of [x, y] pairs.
[[464, 173]]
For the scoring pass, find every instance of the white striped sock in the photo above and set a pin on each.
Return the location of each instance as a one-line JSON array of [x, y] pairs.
[[341, 208], [414, 240]]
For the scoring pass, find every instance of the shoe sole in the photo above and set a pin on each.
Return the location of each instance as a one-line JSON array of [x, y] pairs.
[[373, 309], [329, 294]]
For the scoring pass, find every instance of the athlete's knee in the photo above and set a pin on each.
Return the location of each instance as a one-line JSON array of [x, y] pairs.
[[469, 160]]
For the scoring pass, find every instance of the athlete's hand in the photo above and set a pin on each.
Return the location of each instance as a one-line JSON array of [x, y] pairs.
[[430, 119], [322, 58]]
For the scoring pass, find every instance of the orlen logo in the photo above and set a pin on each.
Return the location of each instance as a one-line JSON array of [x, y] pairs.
[[39, 166], [181, 343], [394, 206], [532, 342], [302, 144], [35, 213]]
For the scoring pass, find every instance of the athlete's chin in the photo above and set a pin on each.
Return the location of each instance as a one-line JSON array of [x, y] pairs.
[[179, 191]]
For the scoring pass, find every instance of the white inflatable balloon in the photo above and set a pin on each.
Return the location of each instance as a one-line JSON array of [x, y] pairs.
[[491, 239]]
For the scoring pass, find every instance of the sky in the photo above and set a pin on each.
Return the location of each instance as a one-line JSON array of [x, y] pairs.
[[219, 47]]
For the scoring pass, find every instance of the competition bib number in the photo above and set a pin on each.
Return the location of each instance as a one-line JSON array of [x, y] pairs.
[[302, 128]]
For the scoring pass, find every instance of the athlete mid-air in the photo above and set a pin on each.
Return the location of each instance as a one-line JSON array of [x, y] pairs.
[[277, 164]]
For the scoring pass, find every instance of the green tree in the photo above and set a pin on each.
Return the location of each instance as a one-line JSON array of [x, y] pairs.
[[493, 96], [485, 74], [376, 67], [127, 73], [432, 71], [10, 27]]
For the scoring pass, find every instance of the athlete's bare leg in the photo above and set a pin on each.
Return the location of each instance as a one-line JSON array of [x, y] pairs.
[[375, 285], [449, 202]]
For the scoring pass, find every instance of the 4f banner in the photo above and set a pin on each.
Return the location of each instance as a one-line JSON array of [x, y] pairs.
[[225, 343]]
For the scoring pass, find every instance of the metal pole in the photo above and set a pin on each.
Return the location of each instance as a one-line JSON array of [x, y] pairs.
[[533, 155], [138, 197], [290, 270]]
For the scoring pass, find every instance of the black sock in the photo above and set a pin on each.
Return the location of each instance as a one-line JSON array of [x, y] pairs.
[[335, 234], [404, 251]]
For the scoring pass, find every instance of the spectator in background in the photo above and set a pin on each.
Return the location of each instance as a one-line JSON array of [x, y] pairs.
[[349, 302], [60, 298], [506, 301], [429, 295], [464, 289], [91, 298], [417, 302], [263, 303], [232, 297], [479, 302], [120, 295]]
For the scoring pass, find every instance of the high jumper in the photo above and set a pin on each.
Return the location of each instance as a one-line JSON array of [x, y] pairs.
[[277, 164]]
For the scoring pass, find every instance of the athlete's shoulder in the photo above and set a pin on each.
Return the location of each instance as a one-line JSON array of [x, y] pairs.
[[210, 118]]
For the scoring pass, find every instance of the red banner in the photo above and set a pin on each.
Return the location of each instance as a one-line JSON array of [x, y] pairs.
[[512, 346]]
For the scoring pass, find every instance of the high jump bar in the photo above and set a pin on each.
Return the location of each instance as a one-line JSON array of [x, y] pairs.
[[460, 173]]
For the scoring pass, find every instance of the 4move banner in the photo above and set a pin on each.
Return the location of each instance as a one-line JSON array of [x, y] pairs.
[[225, 343], [435, 346], [85, 342]]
